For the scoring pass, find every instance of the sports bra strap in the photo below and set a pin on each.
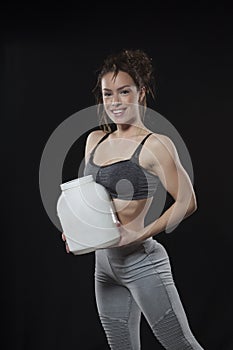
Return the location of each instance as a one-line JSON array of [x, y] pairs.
[[102, 139], [138, 149], [145, 138], [136, 152]]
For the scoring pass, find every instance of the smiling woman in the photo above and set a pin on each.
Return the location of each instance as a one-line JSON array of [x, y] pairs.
[[136, 69], [121, 96], [134, 276]]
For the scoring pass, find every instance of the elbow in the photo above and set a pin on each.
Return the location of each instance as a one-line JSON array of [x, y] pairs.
[[188, 205], [193, 209], [193, 205]]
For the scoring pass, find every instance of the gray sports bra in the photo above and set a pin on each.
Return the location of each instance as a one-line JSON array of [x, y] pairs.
[[125, 179]]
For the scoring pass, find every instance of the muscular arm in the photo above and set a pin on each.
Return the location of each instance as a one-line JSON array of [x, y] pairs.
[[91, 141], [176, 181]]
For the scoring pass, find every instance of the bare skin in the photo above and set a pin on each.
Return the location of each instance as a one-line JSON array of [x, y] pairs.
[[121, 100]]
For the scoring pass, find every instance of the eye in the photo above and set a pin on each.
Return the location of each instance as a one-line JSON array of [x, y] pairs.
[[106, 94], [124, 92]]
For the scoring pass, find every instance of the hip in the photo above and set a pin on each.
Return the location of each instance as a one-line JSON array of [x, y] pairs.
[[133, 261]]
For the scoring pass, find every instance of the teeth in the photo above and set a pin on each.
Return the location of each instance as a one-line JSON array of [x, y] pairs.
[[118, 111]]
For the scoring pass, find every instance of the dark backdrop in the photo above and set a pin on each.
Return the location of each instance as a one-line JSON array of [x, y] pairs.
[[49, 58]]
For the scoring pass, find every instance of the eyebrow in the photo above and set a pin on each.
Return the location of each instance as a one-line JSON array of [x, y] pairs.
[[122, 87]]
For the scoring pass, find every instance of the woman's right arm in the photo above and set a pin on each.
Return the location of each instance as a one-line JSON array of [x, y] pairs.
[[63, 237], [91, 141]]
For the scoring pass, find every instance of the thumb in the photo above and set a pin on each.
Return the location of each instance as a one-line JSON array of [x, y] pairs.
[[118, 223]]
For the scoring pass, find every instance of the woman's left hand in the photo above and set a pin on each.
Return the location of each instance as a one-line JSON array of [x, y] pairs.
[[129, 236]]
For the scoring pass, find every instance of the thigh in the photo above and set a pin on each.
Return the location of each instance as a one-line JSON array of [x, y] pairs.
[[158, 298], [149, 289], [118, 312]]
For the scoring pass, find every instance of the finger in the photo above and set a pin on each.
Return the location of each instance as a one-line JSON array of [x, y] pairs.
[[63, 237], [67, 248]]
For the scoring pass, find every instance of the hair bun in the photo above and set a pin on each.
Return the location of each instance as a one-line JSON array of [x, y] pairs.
[[140, 62]]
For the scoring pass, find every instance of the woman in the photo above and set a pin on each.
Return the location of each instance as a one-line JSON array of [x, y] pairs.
[[134, 276]]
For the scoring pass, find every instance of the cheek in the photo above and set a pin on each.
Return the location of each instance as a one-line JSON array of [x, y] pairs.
[[134, 99], [107, 107], [106, 103]]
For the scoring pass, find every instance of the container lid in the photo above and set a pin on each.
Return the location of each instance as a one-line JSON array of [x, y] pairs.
[[76, 182]]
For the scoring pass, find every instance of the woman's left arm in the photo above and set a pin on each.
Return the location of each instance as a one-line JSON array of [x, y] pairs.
[[167, 166], [177, 183]]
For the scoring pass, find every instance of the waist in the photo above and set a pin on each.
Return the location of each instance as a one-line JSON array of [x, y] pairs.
[[124, 251]]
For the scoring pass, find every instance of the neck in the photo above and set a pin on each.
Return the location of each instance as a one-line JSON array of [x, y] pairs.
[[129, 130]]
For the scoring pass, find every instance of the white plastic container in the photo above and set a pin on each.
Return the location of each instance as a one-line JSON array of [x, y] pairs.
[[87, 215]]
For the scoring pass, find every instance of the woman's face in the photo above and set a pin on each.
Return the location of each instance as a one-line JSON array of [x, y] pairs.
[[121, 97]]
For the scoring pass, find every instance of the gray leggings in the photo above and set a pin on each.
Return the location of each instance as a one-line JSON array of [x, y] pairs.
[[134, 279]]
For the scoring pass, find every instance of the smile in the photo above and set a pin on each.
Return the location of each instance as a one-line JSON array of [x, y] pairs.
[[118, 112]]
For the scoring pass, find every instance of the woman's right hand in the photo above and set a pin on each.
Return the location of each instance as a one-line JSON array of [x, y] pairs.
[[64, 240]]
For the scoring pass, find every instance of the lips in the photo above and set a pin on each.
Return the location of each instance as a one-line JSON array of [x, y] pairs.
[[118, 112]]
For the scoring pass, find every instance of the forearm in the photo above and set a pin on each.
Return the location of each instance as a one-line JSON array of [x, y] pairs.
[[169, 219]]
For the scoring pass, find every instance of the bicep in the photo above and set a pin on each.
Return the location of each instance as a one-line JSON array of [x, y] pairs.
[[170, 170], [91, 142], [88, 147]]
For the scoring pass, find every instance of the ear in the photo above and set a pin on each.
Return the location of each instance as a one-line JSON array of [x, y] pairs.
[[142, 93]]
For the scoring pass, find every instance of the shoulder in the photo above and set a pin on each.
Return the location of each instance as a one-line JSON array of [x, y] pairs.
[[161, 144], [93, 138]]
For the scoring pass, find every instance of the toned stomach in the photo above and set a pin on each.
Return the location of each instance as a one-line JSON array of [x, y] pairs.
[[132, 213]]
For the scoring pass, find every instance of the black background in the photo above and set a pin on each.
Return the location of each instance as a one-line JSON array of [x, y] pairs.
[[48, 61]]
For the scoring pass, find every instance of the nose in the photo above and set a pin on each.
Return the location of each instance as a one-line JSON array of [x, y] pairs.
[[116, 104], [115, 101]]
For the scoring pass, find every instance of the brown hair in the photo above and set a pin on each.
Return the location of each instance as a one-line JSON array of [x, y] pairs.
[[134, 62]]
